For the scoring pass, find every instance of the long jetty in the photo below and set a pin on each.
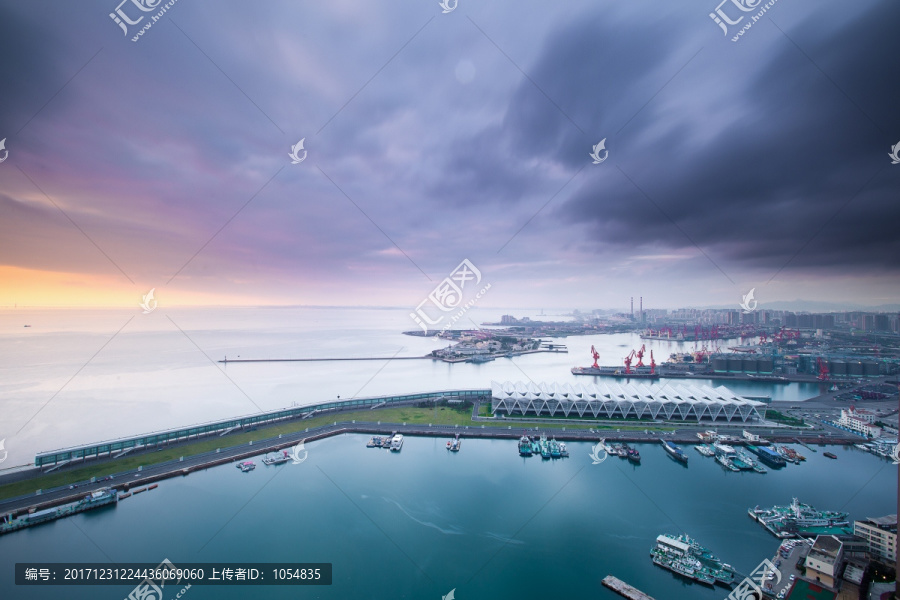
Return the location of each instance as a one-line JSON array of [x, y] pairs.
[[348, 358], [623, 589]]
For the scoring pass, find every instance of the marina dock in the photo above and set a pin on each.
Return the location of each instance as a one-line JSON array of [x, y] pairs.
[[623, 589]]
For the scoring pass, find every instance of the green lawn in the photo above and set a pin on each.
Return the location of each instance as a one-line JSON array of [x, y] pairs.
[[439, 415], [774, 415]]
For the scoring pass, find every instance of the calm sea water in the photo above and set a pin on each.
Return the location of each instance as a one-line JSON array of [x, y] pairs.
[[422, 522], [159, 370]]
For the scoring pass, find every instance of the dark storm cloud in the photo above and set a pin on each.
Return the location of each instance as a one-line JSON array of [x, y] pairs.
[[443, 146], [757, 189]]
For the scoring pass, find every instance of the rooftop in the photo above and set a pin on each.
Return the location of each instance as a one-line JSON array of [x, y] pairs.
[[827, 545], [885, 522]]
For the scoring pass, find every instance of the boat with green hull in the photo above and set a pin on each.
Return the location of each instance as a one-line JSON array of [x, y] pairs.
[[685, 556], [96, 499]]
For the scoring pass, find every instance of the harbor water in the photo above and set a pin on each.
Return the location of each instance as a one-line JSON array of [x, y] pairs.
[[151, 372], [484, 521]]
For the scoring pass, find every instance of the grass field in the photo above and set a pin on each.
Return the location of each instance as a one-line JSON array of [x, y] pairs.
[[774, 415]]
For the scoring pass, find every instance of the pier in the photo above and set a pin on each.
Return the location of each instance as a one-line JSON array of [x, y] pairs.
[[623, 589], [350, 358]]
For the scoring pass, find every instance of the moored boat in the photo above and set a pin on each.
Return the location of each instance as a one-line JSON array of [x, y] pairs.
[[524, 446], [276, 459], [674, 451]]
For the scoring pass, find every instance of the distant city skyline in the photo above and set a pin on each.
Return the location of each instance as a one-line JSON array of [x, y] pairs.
[[174, 162]]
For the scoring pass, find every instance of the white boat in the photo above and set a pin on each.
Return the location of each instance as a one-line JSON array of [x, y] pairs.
[[704, 450], [396, 442]]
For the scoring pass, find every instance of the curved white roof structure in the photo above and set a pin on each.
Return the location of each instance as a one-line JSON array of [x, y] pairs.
[[669, 401]]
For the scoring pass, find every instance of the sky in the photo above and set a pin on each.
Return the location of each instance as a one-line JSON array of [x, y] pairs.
[[729, 163]]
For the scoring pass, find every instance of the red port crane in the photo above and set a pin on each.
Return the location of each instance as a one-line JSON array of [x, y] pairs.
[[652, 364], [628, 360], [640, 356], [596, 355], [823, 369]]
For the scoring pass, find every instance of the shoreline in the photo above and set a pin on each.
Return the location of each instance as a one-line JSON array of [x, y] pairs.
[[190, 463]]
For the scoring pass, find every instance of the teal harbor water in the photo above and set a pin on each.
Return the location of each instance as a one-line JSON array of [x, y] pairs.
[[484, 521]]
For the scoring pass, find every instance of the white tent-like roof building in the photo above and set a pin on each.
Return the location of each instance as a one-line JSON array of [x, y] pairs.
[[670, 401]]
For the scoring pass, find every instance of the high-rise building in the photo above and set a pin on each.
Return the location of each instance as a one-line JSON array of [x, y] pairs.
[[881, 536]]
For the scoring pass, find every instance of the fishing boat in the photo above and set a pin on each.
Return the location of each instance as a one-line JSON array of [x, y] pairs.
[[454, 444], [704, 449], [246, 466], [276, 459], [563, 450], [524, 446], [789, 454], [634, 456], [396, 442], [554, 449]]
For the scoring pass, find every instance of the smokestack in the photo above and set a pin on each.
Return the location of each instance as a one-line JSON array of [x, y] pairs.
[[642, 309]]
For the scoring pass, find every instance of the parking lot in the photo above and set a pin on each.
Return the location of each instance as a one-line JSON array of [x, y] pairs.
[[789, 554]]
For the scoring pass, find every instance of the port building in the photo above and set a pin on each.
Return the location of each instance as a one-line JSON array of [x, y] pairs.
[[670, 401], [824, 560], [880, 535], [859, 421]]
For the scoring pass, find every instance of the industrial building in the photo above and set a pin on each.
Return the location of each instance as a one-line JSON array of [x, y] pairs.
[[680, 402]]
